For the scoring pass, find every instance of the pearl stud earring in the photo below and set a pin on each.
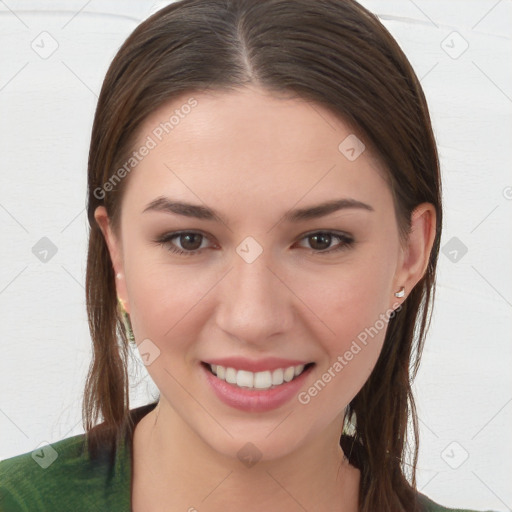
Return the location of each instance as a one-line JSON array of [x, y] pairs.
[[401, 292]]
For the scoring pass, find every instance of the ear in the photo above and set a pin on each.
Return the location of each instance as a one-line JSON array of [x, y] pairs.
[[415, 256], [115, 251]]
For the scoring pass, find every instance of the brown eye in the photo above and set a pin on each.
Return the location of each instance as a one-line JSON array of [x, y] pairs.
[[190, 241], [186, 243], [320, 242]]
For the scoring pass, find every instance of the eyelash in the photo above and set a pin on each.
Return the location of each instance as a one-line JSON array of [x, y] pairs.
[[165, 241]]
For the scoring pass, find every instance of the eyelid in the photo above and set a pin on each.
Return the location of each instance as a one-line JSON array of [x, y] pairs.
[[341, 234]]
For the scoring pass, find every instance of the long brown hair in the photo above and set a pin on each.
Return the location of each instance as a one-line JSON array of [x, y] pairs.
[[338, 55]]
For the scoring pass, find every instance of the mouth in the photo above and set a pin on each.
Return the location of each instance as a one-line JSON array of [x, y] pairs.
[[262, 380]]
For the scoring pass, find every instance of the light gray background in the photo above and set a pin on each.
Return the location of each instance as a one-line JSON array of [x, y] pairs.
[[47, 103]]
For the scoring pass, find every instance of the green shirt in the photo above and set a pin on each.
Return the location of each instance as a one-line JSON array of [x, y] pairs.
[[62, 477]]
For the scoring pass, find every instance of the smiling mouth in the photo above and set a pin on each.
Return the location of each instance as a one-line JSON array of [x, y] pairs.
[[268, 379]]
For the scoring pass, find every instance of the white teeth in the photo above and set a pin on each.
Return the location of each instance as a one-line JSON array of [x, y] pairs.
[[262, 380], [230, 375], [289, 373], [277, 377], [257, 380], [244, 379], [220, 371]]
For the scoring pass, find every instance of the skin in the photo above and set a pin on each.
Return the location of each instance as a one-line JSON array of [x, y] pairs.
[[252, 157]]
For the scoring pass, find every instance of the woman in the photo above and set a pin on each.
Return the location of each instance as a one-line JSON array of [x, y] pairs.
[[264, 199]]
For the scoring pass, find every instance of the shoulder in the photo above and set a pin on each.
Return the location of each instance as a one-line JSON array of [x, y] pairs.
[[430, 506], [58, 476], [25, 478]]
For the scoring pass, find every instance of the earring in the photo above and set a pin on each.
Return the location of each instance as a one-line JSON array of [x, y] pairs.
[[401, 292], [119, 275], [125, 318]]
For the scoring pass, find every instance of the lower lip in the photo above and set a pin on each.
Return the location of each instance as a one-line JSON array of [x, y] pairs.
[[254, 400]]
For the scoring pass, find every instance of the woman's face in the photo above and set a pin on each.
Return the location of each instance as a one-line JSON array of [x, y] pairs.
[[267, 275]]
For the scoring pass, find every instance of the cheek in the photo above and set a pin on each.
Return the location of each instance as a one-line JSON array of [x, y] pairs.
[[167, 310], [169, 306], [164, 302], [351, 296], [353, 307], [350, 357]]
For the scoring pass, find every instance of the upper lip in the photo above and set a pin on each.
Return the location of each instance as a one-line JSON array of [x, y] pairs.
[[267, 363]]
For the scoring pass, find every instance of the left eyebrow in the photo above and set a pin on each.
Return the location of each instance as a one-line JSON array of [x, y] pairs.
[[320, 210]]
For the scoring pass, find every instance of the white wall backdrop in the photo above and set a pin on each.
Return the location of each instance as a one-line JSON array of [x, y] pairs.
[[54, 55]]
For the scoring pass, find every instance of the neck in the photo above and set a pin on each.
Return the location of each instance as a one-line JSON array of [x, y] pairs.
[[174, 469]]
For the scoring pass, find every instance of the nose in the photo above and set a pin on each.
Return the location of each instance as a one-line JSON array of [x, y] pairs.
[[255, 302]]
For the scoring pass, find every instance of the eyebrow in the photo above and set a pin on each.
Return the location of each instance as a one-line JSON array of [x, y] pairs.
[[167, 205]]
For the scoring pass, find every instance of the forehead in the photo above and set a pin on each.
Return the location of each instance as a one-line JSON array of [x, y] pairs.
[[252, 142]]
